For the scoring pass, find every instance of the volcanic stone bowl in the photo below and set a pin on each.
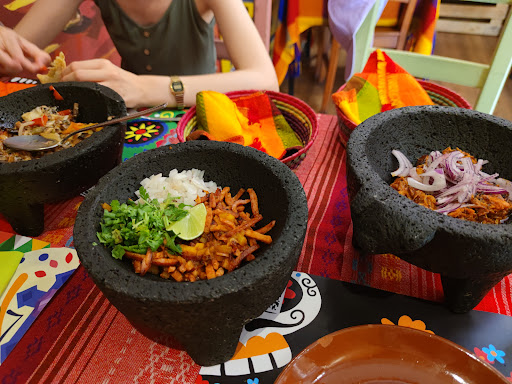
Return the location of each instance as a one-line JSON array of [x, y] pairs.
[[470, 257], [206, 317], [26, 186]]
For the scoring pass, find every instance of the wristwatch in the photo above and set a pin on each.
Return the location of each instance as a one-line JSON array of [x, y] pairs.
[[178, 91]]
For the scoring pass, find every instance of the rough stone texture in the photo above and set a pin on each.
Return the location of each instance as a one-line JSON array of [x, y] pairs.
[[205, 317], [25, 186], [470, 257]]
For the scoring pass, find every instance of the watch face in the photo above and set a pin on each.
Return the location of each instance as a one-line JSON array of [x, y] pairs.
[[177, 87]]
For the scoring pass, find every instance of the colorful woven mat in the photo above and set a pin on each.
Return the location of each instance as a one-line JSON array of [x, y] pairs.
[[383, 85]]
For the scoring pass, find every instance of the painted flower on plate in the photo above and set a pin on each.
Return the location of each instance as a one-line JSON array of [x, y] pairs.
[[494, 354], [482, 355], [406, 321]]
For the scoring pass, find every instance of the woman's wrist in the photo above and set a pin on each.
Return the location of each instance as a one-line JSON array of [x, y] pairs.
[[154, 90]]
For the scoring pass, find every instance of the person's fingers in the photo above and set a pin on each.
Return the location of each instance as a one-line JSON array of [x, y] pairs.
[[83, 74], [39, 58], [11, 46], [93, 64], [24, 54], [8, 66]]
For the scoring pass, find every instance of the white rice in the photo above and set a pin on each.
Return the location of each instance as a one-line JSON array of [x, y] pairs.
[[186, 185]]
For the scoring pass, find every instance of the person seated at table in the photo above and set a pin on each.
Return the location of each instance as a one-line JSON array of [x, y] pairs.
[[157, 40]]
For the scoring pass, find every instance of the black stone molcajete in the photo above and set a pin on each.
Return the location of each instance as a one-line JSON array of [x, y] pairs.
[[205, 317], [26, 186], [471, 257]]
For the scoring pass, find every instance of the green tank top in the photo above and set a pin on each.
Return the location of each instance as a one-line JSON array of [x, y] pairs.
[[181, 43]]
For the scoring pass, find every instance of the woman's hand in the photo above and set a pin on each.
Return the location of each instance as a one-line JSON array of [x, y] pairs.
[[104, 72], [18, 54]]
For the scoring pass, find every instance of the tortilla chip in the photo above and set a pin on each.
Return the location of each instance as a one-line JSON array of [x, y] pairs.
[[54, 74]]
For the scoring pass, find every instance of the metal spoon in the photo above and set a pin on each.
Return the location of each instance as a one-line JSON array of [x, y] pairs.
[[40, 143]]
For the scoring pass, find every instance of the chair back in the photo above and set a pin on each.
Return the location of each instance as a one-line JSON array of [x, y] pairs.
[[489, 78], [262, 19]]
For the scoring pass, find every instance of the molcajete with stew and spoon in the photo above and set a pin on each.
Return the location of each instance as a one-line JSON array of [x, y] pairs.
[[27, 185]]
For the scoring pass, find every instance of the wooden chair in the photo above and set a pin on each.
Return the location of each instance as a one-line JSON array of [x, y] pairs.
[[262, 19], [489, 78]]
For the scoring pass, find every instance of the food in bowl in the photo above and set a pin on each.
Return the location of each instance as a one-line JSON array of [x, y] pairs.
[[184, 228], [49, 122], [452, 182]]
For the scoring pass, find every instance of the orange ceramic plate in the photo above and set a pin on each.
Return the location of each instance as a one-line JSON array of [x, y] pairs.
[[387, 354]]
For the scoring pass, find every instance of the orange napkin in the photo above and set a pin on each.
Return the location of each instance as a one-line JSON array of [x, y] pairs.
[[6, 88], [383, 85], [251, 120]]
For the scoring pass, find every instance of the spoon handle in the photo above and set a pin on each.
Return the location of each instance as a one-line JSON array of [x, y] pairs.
[[115, 121]]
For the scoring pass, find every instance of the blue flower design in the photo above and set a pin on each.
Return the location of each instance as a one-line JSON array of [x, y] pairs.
[[255, 381], [494, 354]]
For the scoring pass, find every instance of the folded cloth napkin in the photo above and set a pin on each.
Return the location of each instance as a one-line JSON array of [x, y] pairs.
[[252, 120], [383, 85]]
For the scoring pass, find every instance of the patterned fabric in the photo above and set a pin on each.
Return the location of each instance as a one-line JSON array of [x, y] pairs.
[[383, 85], [252, 120], [149, 132], [81, 337], [423, 27], [31, 285], [293, 18]]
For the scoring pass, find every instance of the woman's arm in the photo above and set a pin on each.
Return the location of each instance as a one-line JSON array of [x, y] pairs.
[[253, 66], [46, 19]]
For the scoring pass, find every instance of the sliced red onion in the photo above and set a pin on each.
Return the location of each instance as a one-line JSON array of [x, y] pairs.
[[453, 179], [485, 177], [433, 156], [490, 189], [436, 162], [404, 165], [414, 174], [505, 184], [452, 207], [442, 201], [467, 165], [479, 164], [438, 183], [453, 171]]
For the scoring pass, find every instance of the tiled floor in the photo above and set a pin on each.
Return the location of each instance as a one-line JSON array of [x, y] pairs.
[[460, 46]]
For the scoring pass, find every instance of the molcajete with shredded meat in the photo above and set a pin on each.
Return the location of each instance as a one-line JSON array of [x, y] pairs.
[[471, 257]]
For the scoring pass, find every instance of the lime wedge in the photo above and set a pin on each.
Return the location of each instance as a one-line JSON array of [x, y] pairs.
[[192, 225]]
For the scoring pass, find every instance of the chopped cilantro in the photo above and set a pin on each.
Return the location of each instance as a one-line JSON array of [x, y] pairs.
[[137, 227]]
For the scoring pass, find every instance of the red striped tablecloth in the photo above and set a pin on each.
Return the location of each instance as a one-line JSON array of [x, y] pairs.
[[81, 337]]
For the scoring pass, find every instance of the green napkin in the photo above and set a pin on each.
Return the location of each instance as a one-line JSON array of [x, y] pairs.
[[9, 261]]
